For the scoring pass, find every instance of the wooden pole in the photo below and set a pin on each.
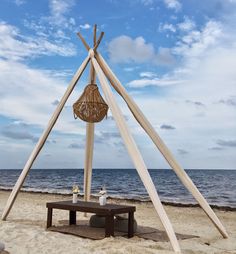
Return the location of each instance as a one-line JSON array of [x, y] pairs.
[[88, 160], [89, 143], [135, 155], [98, 42], [180, 172], [89, 138], [83, 41], [94, 35], [42, 140]]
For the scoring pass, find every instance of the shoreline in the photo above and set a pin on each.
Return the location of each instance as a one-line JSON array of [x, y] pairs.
[[24, 230], [129, 200]]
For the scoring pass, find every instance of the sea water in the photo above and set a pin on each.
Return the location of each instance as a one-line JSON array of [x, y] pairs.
[[217, 186]]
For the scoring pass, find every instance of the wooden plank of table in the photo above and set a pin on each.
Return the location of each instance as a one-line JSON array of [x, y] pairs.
[[91, 207]]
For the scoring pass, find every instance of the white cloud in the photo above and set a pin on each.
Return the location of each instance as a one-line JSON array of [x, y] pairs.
[[15, 46], [187, 24], [18, 131], [147, 74], [85, 26], [167, 27], [173, 4], [58, 9], [208, 60], [184, 26], [231, 101], [19, 2], [27, 90], [140, 83], [212, 77], [125, 49], [57, 25], [129, 69], [197, 42], [147, 2], [164, 57], [61, 34]]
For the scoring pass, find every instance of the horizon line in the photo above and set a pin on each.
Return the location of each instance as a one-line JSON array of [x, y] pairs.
[[119, 168]]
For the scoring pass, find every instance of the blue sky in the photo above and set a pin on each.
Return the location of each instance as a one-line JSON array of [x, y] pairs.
[[176, 58]]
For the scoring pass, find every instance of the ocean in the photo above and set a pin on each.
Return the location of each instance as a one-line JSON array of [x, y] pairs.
[[217, 186]]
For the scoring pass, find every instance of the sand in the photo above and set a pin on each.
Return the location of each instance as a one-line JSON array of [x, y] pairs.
[[24, 231]]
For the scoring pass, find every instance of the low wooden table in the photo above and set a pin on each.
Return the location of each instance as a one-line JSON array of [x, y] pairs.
[[108, 211]]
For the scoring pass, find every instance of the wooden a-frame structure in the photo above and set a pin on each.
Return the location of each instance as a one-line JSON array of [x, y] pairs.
[[105, 74]]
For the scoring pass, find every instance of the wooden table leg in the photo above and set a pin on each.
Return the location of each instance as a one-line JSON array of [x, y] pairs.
[[72, 218], [109, 226], [131, 225], [49, 218]]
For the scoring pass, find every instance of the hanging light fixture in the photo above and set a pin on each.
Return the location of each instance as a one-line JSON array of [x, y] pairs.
[[90, 107]]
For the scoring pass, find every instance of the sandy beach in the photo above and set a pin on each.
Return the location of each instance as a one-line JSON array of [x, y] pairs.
[[24, 231]]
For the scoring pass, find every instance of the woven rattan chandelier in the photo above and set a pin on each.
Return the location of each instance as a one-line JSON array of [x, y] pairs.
[[90, 107]]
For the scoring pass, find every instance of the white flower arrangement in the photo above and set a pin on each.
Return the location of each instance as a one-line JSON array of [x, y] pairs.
[[103, 191], [75, 189]]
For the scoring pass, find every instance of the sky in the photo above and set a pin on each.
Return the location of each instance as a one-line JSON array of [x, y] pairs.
[[177, 59]]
